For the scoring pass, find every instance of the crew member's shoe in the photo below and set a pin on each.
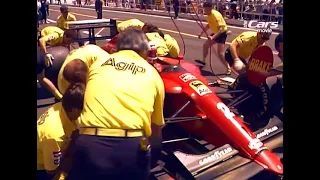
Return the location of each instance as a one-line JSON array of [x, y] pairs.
[[200, 62], [228, 71]]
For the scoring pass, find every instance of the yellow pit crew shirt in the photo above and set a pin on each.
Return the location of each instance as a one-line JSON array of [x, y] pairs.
[[52, 35], [126, 92], [159, 42], [54, 133], [61, 21], [248, 42], [172, 45], [135, 23], [89, 54], [216, 21]]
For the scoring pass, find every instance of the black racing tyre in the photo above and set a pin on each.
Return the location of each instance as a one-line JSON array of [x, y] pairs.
[[59, 53]]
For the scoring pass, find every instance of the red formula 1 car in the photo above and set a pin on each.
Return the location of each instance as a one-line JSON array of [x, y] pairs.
[[193, 109]]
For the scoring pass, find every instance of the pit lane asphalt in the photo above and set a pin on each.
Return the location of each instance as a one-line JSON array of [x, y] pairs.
[[188, 29]]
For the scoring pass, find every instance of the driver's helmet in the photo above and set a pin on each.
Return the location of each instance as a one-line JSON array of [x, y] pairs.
[[152, 53]]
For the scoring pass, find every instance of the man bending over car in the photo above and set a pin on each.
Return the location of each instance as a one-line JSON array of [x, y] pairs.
[[172, 45], [78, 63], [56, 132], [243, 46], [156, 36], [54, 36], [134, 23]]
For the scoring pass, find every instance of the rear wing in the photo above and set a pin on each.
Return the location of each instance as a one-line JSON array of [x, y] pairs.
[[91, 26]]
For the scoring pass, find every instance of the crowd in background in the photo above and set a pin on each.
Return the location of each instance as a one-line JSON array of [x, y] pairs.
[[263, 10]]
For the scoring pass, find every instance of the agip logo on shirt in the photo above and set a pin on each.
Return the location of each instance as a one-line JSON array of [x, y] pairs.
[[124, 66]]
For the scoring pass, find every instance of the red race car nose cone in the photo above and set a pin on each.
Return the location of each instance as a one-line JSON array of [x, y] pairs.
[[270, 162], [259, 64]]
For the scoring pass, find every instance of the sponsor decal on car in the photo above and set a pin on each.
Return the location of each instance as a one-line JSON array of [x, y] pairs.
[[200, 88], [254, 144], [267, 131], [216, 156], [187, 77]]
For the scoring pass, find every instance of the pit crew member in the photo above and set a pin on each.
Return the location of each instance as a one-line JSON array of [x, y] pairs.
[[65, 17], [243, 46], [135, 23], [272, 89], [278, 44], [56, 130], [172, 45], [218, 26], [54, 36], [73, 71], [122, 106], [156, 36], [269, 94]]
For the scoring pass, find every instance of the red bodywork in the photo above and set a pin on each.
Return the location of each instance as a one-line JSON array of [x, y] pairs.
[[219, 125]]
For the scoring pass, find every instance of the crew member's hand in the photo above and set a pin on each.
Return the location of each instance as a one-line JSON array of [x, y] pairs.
[[212, 38], [199, 36], [48, 59]]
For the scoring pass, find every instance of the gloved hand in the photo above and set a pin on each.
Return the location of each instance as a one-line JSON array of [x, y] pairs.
[[48, 59]]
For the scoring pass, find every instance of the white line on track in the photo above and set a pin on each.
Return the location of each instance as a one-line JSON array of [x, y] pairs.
[[163, 17], [85, 32]]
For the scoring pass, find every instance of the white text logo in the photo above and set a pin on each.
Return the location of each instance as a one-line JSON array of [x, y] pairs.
[[266, 26], [215, 156], [267, 131]]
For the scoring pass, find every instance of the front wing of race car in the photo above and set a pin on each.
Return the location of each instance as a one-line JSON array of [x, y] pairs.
[[196, 160]]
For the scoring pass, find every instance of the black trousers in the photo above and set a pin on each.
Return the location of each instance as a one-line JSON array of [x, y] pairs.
[[116, 158], [176, 10], [99, 14], [43, 175]]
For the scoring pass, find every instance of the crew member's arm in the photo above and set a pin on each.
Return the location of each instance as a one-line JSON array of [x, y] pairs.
[[206, 28], [46, 39], [49, 85], [157, 119], [72, 17], [51, 155], [278, 70], [43, 42], [60, 22], [233, 49], [66, 160]]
